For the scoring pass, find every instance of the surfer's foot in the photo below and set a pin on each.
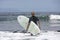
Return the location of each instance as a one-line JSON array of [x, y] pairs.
[[32, 34]]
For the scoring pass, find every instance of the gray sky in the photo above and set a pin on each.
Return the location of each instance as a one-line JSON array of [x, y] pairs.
[[30, 5]]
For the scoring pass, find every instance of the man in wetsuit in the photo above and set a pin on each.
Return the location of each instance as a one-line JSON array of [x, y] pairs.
[[34, 19]]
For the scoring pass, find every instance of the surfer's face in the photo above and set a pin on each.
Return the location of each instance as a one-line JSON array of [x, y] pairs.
[[33, 14]]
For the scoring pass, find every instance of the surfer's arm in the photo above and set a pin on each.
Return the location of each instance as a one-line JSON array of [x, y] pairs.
[[38, 23], [27, 26]]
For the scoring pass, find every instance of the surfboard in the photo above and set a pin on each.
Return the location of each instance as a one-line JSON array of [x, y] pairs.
[[33, 28]]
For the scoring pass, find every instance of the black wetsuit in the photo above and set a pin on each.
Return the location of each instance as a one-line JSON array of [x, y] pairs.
[[34, 19]]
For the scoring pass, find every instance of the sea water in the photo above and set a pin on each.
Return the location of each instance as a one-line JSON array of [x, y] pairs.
[[11, 25]]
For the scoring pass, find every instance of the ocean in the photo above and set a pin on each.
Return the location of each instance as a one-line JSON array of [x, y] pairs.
[[10, 23]]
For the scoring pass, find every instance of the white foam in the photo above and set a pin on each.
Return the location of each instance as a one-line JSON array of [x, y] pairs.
[[50, 35]]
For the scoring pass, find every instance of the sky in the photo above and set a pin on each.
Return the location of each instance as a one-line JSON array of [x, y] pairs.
[[30, 5]]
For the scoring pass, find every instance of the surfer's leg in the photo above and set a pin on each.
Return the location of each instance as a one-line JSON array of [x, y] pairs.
[[23, 31], [15, 32]]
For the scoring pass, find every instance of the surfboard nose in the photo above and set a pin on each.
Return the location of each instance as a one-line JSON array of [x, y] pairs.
[[19, 17]]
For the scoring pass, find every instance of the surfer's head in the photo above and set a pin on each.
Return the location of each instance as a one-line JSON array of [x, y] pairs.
[[33, 13]]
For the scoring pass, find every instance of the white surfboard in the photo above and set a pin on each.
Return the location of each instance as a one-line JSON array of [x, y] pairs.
[[33, 28]]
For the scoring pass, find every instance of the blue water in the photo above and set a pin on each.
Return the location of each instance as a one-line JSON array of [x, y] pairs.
[[10, 23]]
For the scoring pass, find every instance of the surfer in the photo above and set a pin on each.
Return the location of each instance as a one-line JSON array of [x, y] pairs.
[[34, 19]]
